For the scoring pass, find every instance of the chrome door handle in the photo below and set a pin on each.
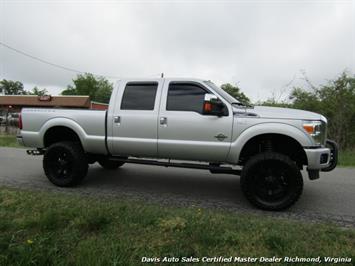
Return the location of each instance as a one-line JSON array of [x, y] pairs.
[[163, 121], [117, 119]]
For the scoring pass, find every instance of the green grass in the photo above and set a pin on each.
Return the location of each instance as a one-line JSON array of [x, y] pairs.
[[347, 158], [8, 141], [38, 228]]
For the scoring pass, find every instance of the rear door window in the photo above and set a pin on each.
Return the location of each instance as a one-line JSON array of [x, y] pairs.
[[139, 96]]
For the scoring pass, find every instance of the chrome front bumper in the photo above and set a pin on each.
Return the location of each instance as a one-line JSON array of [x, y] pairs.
[[324, 159]]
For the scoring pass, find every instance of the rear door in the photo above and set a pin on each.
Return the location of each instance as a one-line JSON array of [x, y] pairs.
[[185, 132], [135, 118]]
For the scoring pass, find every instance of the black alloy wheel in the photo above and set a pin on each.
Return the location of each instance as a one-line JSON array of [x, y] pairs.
[[271, 181], [65, 164]]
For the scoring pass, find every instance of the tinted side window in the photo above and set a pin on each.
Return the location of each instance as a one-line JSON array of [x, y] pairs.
[[185, 97], [139, 96]]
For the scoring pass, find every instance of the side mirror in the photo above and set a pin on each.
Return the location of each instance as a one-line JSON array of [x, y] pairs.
[[212, 105]]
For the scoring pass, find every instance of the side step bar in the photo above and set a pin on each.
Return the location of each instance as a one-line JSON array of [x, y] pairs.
[[213, 168]]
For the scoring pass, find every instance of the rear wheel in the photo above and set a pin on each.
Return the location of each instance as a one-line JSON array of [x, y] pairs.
[[65, 164], [271, 181], [109, 164]]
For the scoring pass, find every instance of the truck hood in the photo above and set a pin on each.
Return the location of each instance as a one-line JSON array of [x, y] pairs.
[[280, 113]]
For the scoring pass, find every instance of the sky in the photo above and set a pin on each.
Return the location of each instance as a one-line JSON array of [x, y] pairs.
[[264, 47]]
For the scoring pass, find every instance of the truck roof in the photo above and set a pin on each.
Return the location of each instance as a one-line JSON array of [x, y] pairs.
[[162, 79]]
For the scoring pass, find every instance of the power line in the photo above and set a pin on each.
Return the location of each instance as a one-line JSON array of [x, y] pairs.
[[50, 63]]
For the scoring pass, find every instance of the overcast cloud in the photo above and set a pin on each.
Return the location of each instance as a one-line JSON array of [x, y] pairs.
[[260, 45]]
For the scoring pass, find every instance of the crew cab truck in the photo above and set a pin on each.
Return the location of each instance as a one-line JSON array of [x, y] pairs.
[[187, 123]]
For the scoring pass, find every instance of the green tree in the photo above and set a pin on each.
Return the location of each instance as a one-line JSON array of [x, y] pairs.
[[10, 87], [98, 88], [307, 100], [236, 93], [335, 100], [337, 103], [37, 91], [274, 103]]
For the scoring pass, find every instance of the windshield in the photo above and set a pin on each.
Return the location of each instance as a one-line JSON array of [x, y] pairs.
[[230, 99]]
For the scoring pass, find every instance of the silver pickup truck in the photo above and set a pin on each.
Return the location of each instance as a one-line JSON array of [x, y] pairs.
[[186, 123]]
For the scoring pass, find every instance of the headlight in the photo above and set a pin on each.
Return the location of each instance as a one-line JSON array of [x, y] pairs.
[[317, 130]]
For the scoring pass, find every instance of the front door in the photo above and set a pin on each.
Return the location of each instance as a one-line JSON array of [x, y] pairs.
[[184, 132]]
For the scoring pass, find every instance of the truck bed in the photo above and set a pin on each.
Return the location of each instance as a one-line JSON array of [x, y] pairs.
[[88, 124]]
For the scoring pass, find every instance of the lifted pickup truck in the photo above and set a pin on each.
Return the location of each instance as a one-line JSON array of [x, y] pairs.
[[187, 123]]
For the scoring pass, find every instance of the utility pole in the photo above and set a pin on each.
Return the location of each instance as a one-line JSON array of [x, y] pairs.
[[7, 118]]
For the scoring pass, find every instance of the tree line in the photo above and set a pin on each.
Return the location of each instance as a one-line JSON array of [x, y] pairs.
[[10, 87], [98, 88], [335, 100]]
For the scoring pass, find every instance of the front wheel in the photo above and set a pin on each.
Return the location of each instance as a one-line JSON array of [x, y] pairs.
[[65, 164], [271, 181]]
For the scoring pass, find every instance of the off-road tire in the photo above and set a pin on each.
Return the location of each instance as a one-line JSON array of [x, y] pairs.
[[109, 164], [65, 164], [272, 172]]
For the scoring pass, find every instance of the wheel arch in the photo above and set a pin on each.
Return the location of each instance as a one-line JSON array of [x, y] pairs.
[[62, 129], [278, 132]]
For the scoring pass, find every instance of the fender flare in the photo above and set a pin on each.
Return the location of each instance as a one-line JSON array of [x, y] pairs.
[[267, 128], [63, 122]]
